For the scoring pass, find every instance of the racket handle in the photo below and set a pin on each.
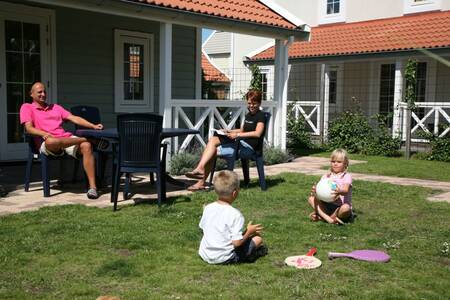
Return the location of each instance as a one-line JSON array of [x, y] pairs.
[[332, 255], [311, 251]]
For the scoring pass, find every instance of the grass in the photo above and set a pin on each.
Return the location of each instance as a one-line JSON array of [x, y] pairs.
[[140, 252], [399, 167]]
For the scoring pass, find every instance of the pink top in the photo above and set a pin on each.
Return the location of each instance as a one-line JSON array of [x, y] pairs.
[[341, 179], [48, 119]]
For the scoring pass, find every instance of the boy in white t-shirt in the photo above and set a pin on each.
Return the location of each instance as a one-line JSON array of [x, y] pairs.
[[223, 241]]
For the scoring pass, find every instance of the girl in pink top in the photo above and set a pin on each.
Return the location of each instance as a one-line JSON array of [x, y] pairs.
[[340, 210]]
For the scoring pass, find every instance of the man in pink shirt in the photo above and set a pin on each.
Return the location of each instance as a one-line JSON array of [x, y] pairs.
[[45, 120]]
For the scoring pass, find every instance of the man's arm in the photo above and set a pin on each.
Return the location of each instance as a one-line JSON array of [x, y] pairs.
[[84, 123], [30, 129]]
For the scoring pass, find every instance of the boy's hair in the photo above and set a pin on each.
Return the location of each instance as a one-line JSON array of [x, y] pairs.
[[254, 95], [225, 183], [340, 154]]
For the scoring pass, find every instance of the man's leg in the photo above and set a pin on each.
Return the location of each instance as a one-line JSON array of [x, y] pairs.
[[56, 145], [85, 149]]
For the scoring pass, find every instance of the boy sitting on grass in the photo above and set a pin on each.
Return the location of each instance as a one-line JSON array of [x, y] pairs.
[[223, 241]]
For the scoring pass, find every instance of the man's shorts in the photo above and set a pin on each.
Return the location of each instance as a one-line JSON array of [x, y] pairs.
[[72, 150]]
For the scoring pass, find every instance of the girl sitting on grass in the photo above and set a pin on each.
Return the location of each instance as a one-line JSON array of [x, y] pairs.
[[340, 210]]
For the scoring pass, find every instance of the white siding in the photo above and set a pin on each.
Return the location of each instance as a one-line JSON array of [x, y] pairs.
[[220, 42]]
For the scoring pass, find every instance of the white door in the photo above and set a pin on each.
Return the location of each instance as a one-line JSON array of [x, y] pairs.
[[24, 59]]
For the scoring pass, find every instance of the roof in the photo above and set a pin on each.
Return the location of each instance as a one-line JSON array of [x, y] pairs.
[[211, 72], [241, 10], [428, 30]]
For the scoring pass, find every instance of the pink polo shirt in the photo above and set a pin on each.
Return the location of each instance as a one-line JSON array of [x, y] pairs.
[[48, 119]]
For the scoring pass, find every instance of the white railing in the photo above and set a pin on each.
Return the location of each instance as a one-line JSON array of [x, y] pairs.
[[311, 115], [213, 114], [435, 112]]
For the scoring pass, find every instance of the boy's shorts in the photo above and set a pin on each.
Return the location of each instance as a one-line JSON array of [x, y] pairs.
[[72, 150], [243, 253]]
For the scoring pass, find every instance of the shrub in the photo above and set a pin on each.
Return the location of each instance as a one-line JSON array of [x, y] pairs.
[[382, 143], [274, 156], [298, 136], [440, 148], [352, 131], [183, 162]]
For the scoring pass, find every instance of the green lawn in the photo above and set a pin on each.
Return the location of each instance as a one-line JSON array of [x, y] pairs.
[[140, 252], [399, 166]]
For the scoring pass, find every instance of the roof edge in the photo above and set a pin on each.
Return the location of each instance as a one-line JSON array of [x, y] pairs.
[[214, 65], [299, 23]]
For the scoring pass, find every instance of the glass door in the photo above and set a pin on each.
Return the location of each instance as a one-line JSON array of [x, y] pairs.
[[23, 58]]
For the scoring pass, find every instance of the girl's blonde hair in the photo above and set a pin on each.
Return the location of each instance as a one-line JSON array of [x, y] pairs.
[[340, 154]]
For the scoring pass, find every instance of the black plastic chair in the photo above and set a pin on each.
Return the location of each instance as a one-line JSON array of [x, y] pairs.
[[34, 156], [257, 157], [139, 150], [91, 114]]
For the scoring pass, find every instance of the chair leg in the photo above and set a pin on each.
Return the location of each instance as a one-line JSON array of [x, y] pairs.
[[45, 175], [126, 189], [159, 187], [261, 176], [28, 171], [152, 178], [76, 165], [115, 188], [245, 171], [213, 169]]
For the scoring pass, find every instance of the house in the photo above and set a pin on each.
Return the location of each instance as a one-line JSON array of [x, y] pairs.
[[357, 56], [215, 83], [118, 55]]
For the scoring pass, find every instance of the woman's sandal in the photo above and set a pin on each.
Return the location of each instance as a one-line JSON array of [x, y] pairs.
[[194, 175]]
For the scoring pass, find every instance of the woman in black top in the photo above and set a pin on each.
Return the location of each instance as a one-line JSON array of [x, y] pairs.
[[224, 145]]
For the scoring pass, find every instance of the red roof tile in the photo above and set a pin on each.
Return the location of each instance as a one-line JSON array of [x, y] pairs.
[[210, 72], [242, 10], [429, 30]]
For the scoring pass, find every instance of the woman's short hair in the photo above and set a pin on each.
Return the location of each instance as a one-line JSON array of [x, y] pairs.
[[225, 183], [254, 96]]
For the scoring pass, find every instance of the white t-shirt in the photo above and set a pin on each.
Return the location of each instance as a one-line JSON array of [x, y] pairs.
[[221, 224]]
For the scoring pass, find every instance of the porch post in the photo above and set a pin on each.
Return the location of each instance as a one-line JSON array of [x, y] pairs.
[[398, 94], [321, 121], [326, 101], [280, 92], [165, 75]]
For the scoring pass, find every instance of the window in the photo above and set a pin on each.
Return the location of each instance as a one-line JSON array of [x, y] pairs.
[[332, 86], [415, 6], [333, 7], [387, 89], [331, 11], [264, 85], [133, 71], [421, 83]]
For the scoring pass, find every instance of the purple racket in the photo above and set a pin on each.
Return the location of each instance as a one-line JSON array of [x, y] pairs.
[[367, 255]]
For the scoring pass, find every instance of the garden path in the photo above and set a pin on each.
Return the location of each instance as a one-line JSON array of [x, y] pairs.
[[17, 200]]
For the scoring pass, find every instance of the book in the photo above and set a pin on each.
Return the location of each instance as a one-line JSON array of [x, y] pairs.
[[220, 132]]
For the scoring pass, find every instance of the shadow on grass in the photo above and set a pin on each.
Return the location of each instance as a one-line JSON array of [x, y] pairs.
[[271, 182]]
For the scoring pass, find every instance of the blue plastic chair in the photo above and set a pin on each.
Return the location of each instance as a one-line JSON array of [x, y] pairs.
[[34, 156], [257, 156], [139, 150]]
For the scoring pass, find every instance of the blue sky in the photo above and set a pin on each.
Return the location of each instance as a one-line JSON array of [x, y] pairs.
[[206, 33]]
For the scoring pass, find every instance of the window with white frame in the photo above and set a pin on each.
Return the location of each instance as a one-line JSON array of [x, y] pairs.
[[387, 90], [133, 69], [332, 86], [331, 11], [415, 6], [264, 84]]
